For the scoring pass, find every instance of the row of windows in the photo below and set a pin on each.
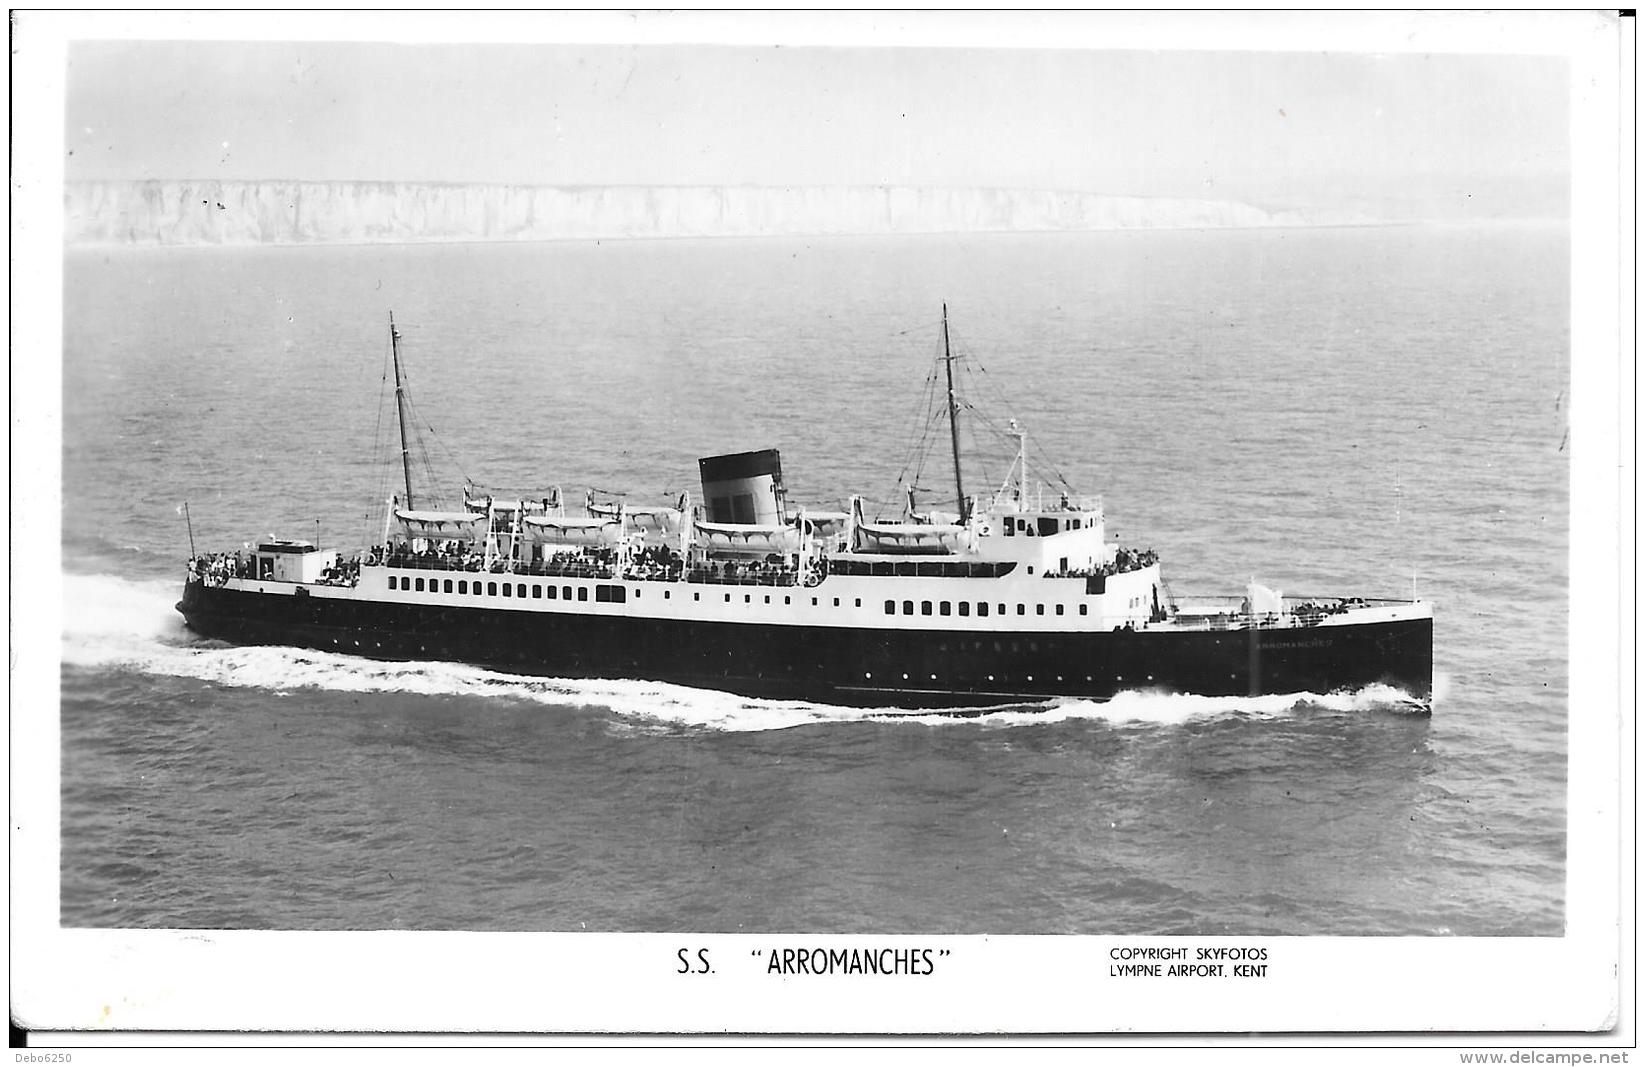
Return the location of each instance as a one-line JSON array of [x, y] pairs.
[[858, 568], [617, 594], [1045, 526], [944, 607], [605, 594]]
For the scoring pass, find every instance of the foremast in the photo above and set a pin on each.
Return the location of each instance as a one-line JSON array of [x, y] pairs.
[[953, 418], [400, 409]]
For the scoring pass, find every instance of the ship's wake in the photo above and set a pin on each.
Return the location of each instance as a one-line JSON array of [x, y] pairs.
[[119, 624]]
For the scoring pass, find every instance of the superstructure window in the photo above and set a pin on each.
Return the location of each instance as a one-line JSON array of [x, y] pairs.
[[908, 607], [392, 582], [448, 585], [536, 591], [965, 607], [582, 592], [462, 587], [890, 607], [491, 589], [508, 590], [1059, 609], [944, 608], [565, 592], [1022, 609], [982, 608], [553, 591], [925, 607], [1039, 609], [1082, 609]]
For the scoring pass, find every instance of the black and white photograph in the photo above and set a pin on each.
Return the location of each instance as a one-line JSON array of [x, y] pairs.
[[926, 523]]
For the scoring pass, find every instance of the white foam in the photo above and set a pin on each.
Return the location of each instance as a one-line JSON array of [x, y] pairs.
[[119, 623]]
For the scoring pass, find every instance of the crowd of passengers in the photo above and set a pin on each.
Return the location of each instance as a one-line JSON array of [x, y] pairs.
[[1125, 560], [772, 570], [215, 568], [1315, 610]]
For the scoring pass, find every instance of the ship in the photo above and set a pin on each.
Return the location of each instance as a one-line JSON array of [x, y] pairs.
[[1013, 599]]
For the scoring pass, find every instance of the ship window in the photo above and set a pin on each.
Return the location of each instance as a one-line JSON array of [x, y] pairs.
[[553, 591], [419, 585], [508, 590], [944, 608], [536, 591], [925, 607], [519, 590], [696, 596], [1002, 609], [491, 589], [747, 599], [1022, 609], [768, 600], [476, 588], [837, 602], [610, 594], [982, 608], [582, 593], [1010, 528], [1030, 568], [1039, 609], [1048, 526], [786, 600], [728, 598], [1082, 609], [813, 601], [1059, 609], [890, 607], [666, 595], [391, 582], [965, 607], [908, 607], [565, 592], [636, 594], [462, 587]]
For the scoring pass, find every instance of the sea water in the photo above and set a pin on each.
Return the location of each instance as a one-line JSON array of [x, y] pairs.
[[1331, 412]]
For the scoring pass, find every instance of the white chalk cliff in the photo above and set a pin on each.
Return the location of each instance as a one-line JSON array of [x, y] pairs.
[[203, 212]]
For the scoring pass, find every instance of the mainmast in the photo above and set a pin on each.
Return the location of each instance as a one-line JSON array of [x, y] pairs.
[[953, 415], [400, 408]]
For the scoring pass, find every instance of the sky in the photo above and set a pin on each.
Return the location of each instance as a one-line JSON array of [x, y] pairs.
[[1266, 127]]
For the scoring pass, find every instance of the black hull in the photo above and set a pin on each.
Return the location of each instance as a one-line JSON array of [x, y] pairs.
[[852, 666]]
